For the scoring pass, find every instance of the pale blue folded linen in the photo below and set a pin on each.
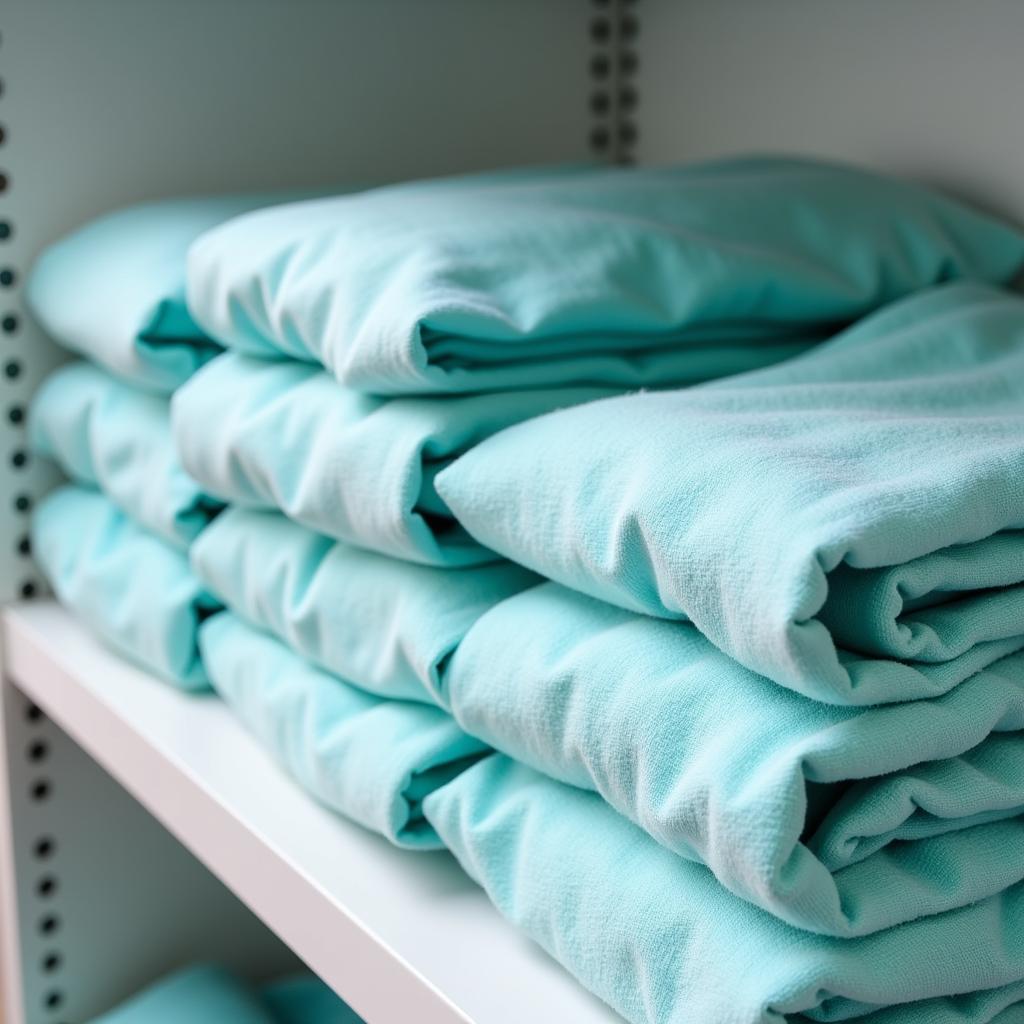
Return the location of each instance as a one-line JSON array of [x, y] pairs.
[[660, 940], [114, 289], [841, 820], [372, 760], [117, 439], [134, 589], [624, 277], [387, 626], [849, 524], [283, 434]]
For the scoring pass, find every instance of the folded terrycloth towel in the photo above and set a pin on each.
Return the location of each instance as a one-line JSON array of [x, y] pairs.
[[372, 760], [389, 627], [286, 435], [850, 524], [114, 290], [841, 820], [623, 277], [130, 586], [661, 941], [116, 438]]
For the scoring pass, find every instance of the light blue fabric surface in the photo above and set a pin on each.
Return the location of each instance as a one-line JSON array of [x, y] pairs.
[[116, 438], [850, 524], [372, 760], [201, 994], [283, 434], [659, 939], [305, 999], [841, 820], [134, 589], [622, 277], [387, 626]]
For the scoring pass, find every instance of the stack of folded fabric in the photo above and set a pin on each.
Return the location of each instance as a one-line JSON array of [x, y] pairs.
[[798, 798]]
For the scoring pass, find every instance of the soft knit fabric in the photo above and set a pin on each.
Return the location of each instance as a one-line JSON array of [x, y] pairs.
[[134, 589], [841, 820], [659, 939], [283, 434], [389, 627], [849, 524], [372, 760], [116, 438], [624, 277]]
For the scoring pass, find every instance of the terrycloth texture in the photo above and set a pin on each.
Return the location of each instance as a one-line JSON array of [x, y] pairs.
[[131, 587], [372, 760], [117, 439], [622, 277], [202, 994], [305, 999], [285, 435], [389, 627], [661, 941], [848, 524], [840, 820]]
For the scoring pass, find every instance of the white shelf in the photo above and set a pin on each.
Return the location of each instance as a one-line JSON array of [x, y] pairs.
[[396, 934]]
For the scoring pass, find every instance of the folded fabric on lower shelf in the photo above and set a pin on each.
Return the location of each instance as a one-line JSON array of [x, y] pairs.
[[283, 434], [116, 438], [849, 524], [627, 277], [372, 760], [386, 626], [134, 589], [841, 820], [660, 940]]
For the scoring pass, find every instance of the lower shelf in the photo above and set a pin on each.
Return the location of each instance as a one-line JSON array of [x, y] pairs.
[[394, 933]]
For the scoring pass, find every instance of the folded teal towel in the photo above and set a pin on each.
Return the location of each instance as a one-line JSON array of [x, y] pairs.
[[623, 277], [286, 435], [850, 524], [304, 999], [116, 438], [659, 939], [200, 994], [372, 760], [131, 587], [842, 820], [387, 626]]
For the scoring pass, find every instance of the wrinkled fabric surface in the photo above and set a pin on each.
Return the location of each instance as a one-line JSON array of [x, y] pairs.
[[372, 760], [132, 588], [842, 820], [283, 434], [621, 277], [659, 939], [117, 439], [849, 524], [387, 626]]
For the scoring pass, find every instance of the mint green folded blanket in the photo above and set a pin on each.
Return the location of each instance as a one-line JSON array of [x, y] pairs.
[[662, 942], [841, 820], [849, 524], [387, 626], [623, 277], [372, 760], [134, 589], [115, 438], [283, 434]]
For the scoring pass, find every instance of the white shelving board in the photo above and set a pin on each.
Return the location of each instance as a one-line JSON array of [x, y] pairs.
[[399, 935]]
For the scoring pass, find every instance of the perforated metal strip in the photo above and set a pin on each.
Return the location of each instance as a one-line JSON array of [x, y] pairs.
[[614, 28]]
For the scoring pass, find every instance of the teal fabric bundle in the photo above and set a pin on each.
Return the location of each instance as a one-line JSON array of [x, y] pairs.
[[372, 760], [116, 438], [283, 434], [849, 524], [305, 999], [131, 587], [841, 820], [623, 277], [387, 626], [659, 939]]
